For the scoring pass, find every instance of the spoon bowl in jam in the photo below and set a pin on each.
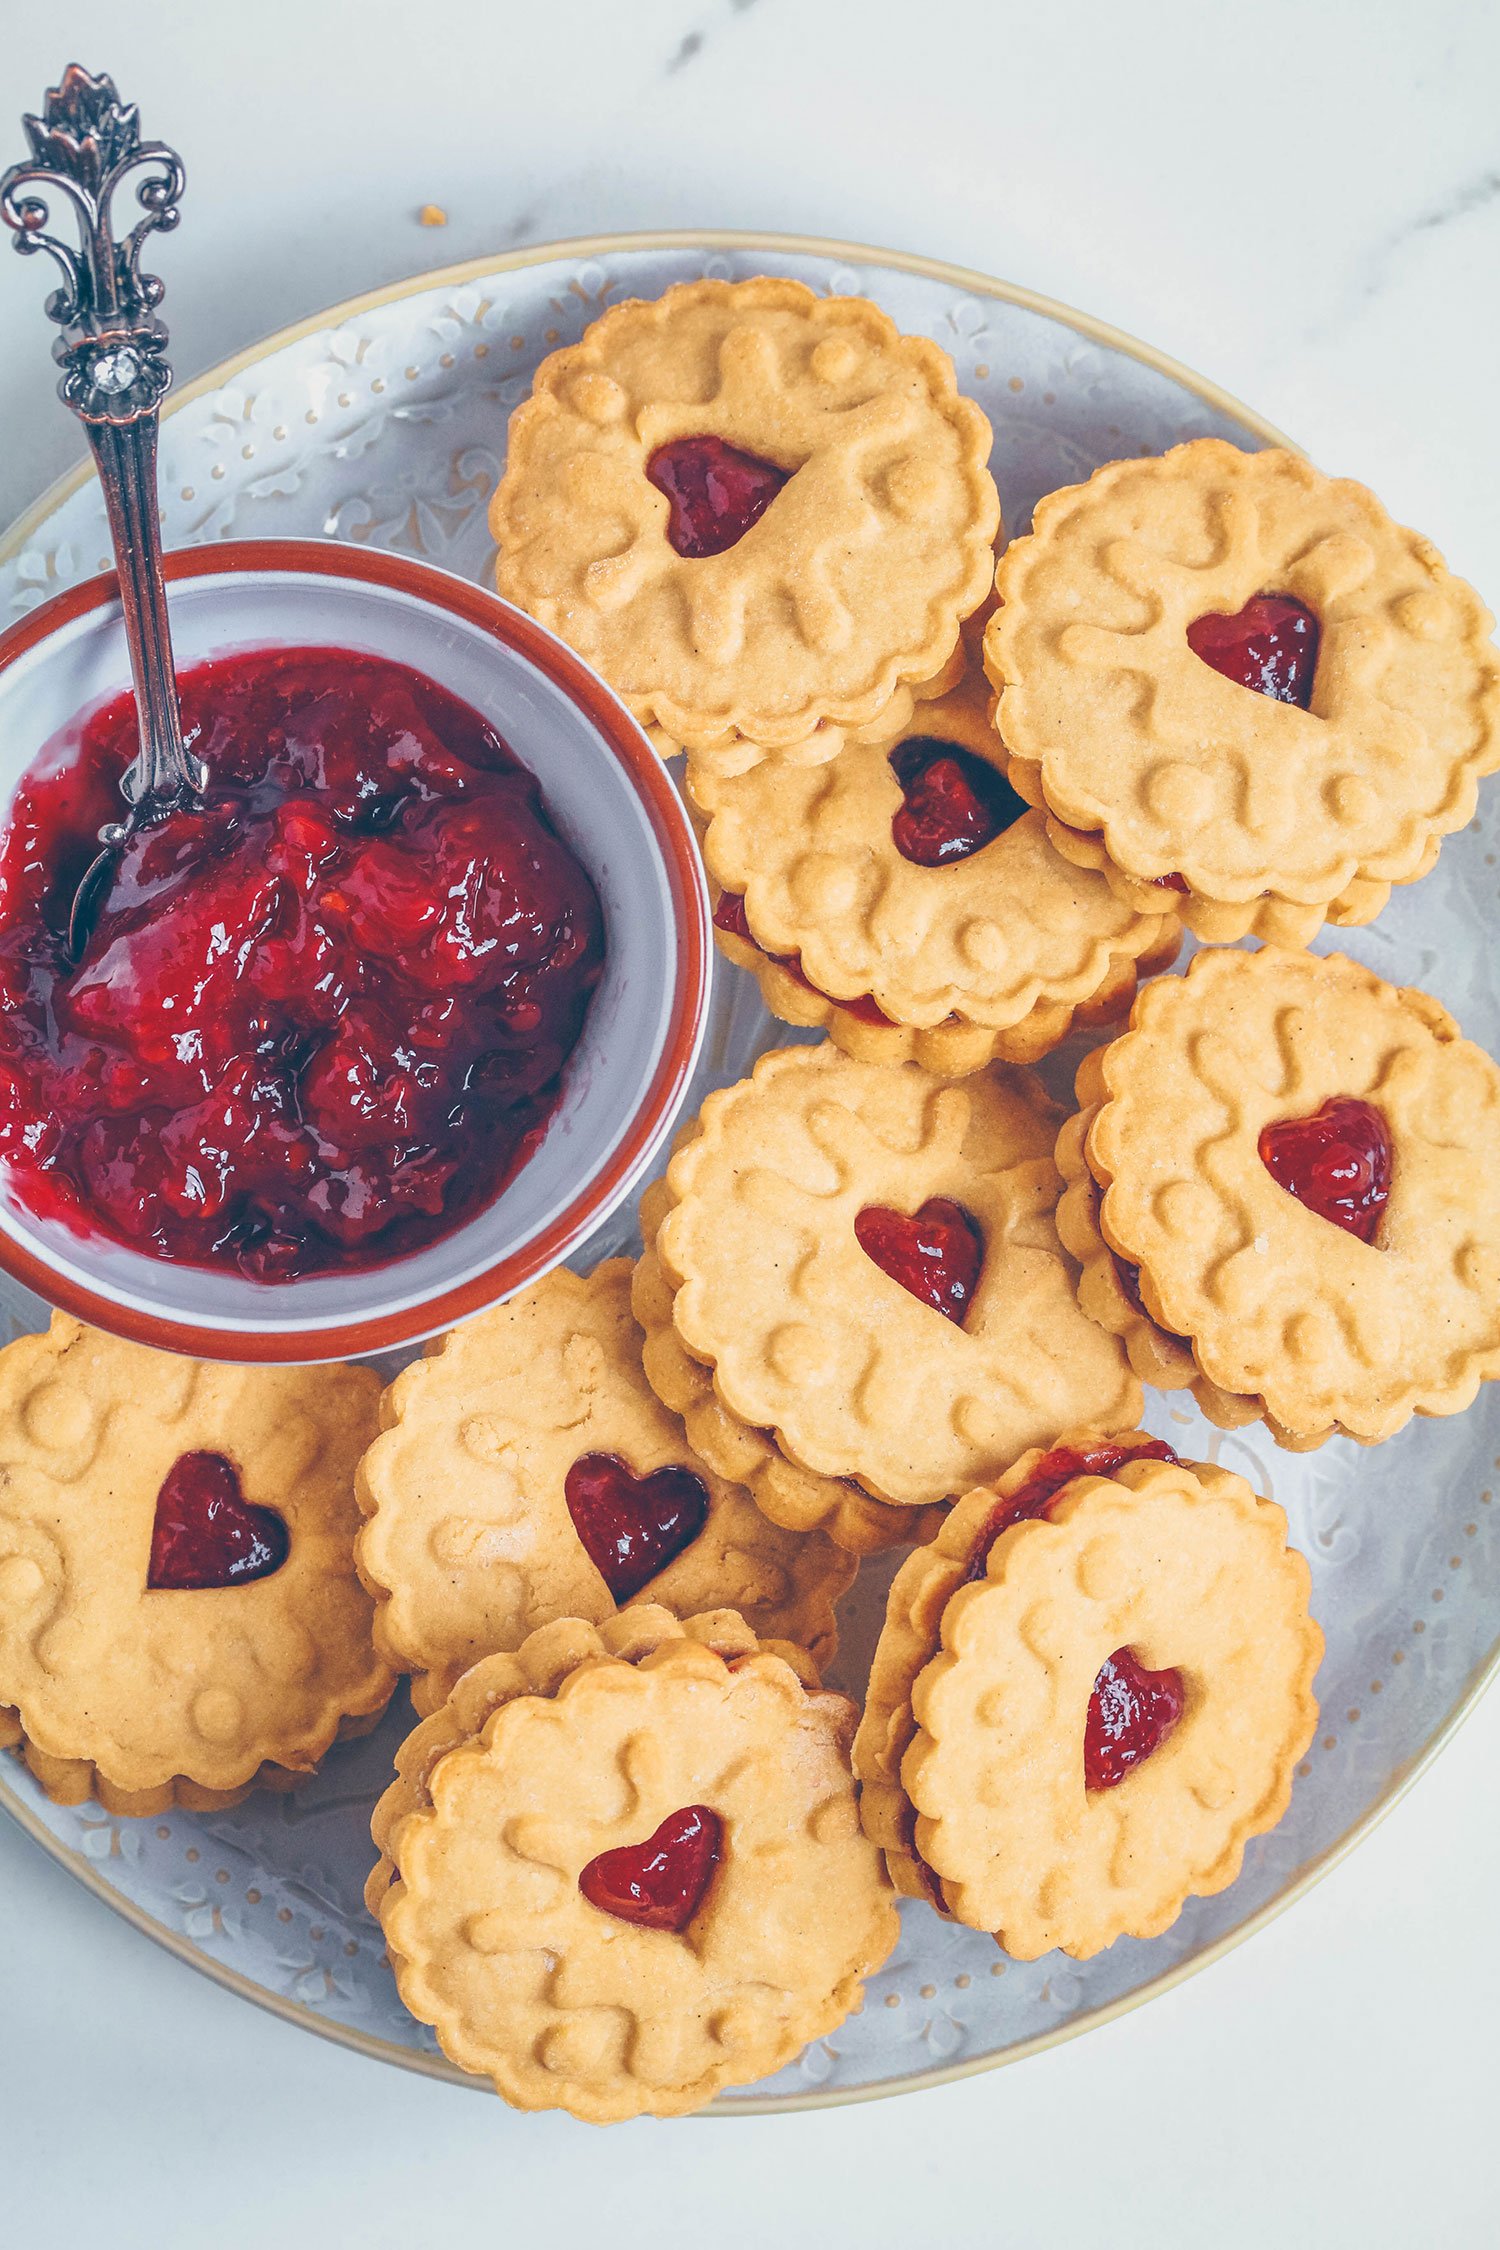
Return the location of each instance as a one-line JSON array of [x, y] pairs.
[[380, 1030]]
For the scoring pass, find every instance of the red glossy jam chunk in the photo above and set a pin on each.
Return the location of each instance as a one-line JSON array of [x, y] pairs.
[[659, 1885], [632, 1526], [953, 803], [1054, 1470], [730, 917], [935, 1254], [715, 492], [322, 1019], [1131, 1713], [207, 1534], [1271, 646], [1336, 1162]]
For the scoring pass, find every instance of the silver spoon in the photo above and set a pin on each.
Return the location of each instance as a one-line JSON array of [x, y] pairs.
[[115, 376]]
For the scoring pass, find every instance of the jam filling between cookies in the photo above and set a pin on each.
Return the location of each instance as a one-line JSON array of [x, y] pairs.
[[714, 493], [631, 1527], [323, 1017], [1337, 1163], [1270, 647], [936, 1254], [953, 803], [730, 917], [206, 1534], [1131, 1711], [660, 1884]]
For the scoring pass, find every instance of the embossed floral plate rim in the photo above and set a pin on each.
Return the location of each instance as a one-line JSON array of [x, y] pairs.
[[976, 283]]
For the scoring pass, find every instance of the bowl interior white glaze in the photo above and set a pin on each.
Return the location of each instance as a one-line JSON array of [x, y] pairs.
[[45, 695]]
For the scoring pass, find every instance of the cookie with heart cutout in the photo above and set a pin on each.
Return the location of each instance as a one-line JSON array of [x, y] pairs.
[[1091, 1690], [1242, 683], [862, 1263], [1285, 1192], [761, 514], [622, 1868], [180, 1616], [526, 1470], [905, 899]]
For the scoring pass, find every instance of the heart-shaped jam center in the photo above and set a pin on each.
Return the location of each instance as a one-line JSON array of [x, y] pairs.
[[1131, 1713], [659, 1885], [632, 1526], [1271, 646], [1336, 1162], [207, 1533], [1055, 1469], [935, 1254], [954, 803], [715, 492]]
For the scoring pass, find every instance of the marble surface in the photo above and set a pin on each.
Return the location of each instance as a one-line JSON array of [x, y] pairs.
[[1305, 204]]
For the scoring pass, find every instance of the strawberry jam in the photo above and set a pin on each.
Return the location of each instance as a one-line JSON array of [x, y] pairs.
[[323, 1017], [1131, 1713], [714, 491], [936, 1255], [731, 918], [1270, 646], [207, 1534], [658, 1885], [952, 803], [1055, 1469], [630, 1527], [1336, 1162]]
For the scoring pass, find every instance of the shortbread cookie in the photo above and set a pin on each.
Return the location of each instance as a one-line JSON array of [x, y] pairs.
[[908, 900], [528, 1471], [1090, 1692], [180, 1618], [623, 1867], [1300, 1167], [759, 513], [866, 1260], [1245, 684]]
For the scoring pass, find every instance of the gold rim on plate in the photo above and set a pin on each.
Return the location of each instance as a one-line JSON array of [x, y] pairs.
[[1099, 332]]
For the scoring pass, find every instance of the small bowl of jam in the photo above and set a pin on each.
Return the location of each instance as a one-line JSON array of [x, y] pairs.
[[377, 1033]]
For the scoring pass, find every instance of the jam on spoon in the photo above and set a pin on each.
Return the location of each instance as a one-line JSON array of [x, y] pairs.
[[324, 1014]]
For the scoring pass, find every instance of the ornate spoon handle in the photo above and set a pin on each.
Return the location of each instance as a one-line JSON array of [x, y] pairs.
[[112, 351]]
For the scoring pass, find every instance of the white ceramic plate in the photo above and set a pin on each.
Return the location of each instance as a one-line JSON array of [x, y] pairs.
[[384, 422]]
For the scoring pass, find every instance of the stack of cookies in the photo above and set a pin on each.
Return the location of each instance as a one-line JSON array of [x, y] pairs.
[[891, 1293]]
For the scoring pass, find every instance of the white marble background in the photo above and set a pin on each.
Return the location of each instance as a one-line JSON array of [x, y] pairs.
[[1302, 199]]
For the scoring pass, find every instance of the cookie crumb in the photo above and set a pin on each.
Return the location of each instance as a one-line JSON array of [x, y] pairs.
[[432, 215]]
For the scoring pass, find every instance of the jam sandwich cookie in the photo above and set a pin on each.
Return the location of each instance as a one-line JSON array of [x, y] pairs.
[[1090, 1692], [526, 1470], [180, 1618], [759, 513], [1237, 682], [864, 1263], [1285, 1191], [905, 899], [623, 1867]]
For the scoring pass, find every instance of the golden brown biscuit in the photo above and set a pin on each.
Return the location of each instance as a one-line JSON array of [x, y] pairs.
[[180, 1618], [903, 896], [866, 537], [1241, 1097], [865, 1259], [526, 1470], [1090, 1691], [623, 1868], [1260, 811]]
